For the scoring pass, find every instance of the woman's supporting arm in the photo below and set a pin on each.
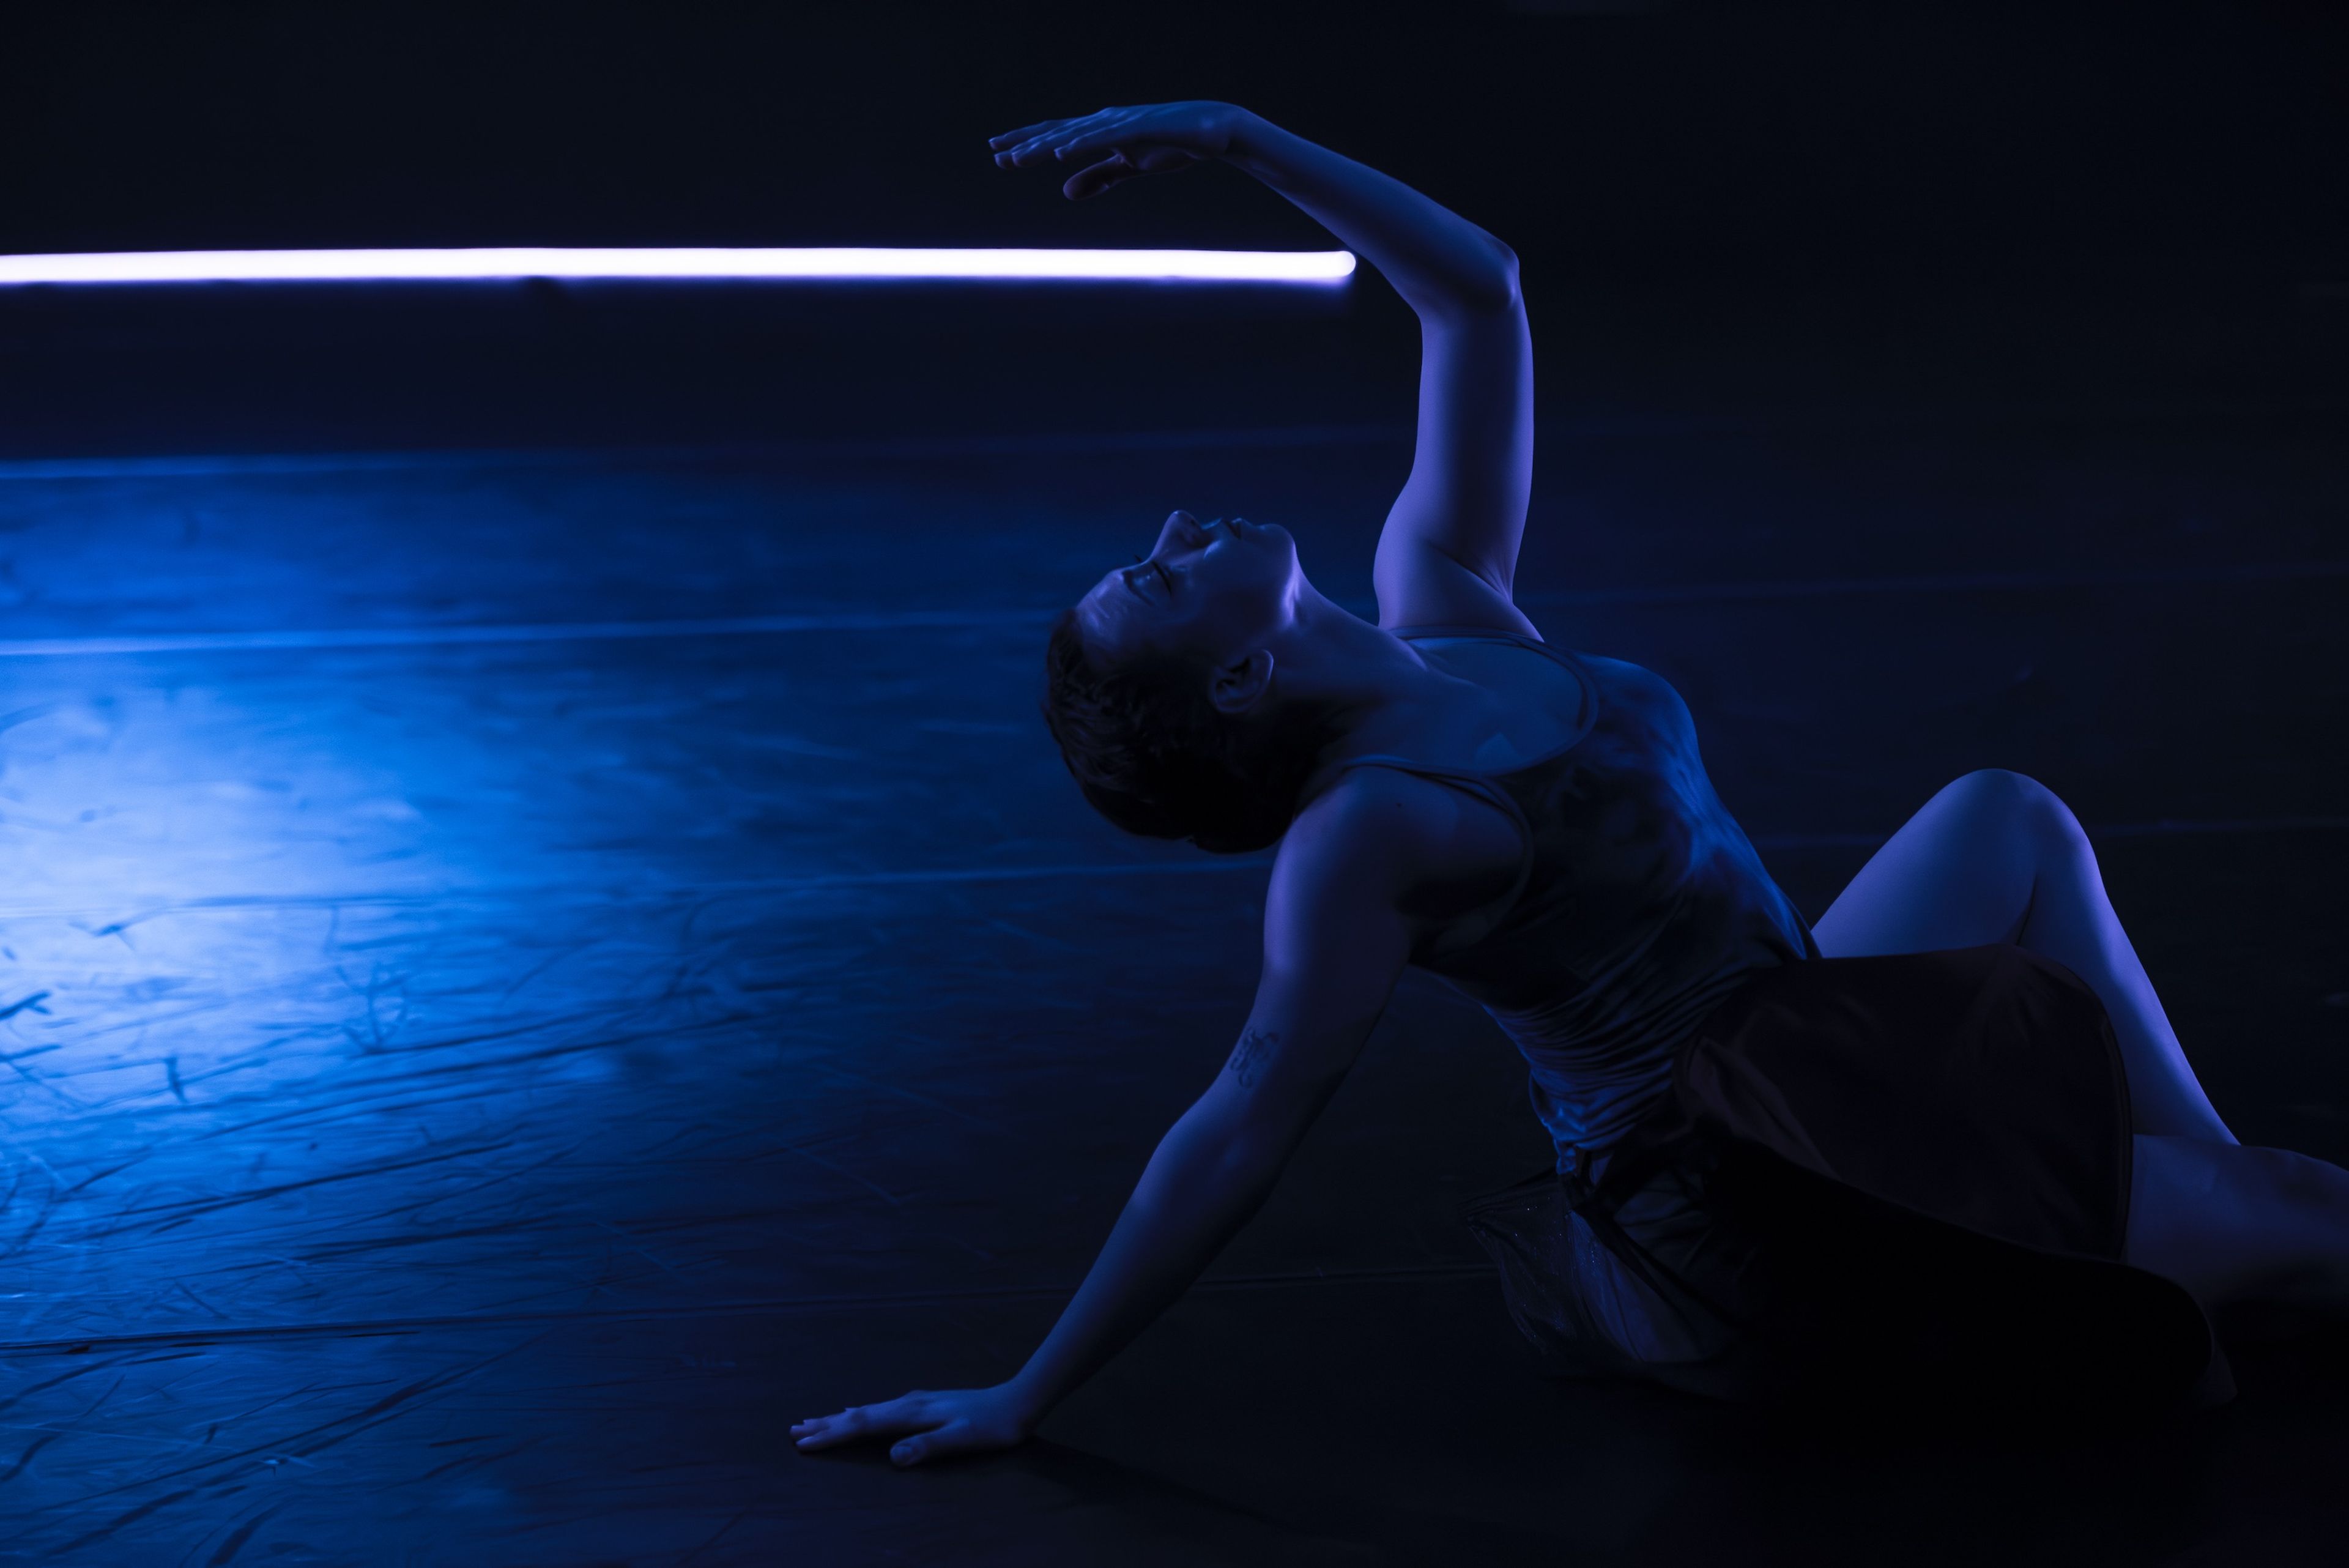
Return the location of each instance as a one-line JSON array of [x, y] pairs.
[[1207, 1179], [1334, 946], [1448, 553]]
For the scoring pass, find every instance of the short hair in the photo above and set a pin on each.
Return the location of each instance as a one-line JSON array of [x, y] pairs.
[[1154, 753]]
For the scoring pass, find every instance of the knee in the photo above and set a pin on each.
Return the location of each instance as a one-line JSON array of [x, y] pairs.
[[2019, 806]]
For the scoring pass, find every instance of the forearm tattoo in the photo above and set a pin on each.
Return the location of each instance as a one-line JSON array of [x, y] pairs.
[[1250, 1056]]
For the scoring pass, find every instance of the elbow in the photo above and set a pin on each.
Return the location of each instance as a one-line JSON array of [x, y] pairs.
[[1238, 1157], [1506, 291], [1491, 287], [1244, 1160], [1245, 1164]]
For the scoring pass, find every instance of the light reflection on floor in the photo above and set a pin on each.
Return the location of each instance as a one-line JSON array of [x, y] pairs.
[[497, 1082]]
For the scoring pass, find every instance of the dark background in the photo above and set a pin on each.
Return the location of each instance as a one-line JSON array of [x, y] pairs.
[[1725, 144], [1715, 205]]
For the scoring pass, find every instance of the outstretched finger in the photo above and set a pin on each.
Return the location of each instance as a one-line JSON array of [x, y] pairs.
[[830, 1431], [1094, 139], [1091, 181], [1053, 134], [1035, 149], [861, 1421], [954, 1438], [1025, 134]]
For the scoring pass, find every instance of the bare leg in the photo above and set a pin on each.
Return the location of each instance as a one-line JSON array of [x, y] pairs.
[[2235, 1224], [1996, 858]]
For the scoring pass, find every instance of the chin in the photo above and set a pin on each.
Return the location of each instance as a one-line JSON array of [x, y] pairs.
[[1285, 543]]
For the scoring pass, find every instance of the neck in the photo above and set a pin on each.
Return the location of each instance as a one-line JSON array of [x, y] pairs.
[[1367, 678]]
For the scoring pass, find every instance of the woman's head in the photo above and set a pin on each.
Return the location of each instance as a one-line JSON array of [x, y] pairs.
[[1159, 687]]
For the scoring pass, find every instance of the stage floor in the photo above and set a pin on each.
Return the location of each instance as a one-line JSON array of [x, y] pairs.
[[523, 973]]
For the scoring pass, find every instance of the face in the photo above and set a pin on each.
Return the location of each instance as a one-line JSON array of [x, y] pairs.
[[1216, 592]]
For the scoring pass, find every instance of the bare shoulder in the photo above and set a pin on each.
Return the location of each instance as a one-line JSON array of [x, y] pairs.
[[1347, 908], [1407, 844], [1373, 817]]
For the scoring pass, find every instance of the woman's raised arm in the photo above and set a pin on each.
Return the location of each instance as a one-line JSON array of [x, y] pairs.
[[1334, 946], [1448, 554]]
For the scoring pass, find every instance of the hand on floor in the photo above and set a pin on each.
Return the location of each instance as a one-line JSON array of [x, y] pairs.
[[930, 1426]]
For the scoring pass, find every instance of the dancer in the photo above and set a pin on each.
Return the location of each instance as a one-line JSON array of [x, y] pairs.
[[1945, 1139]]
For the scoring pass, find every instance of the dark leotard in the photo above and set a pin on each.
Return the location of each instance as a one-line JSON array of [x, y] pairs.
[[1638, 903], [1773, 1168]]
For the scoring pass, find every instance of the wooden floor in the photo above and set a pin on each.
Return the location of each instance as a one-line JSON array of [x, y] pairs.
[[523, 973]]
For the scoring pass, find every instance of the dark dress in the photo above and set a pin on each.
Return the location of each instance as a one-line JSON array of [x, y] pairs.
[[1780, 1174]]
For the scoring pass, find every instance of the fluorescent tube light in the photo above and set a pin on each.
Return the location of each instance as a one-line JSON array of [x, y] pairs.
[[544, 261]]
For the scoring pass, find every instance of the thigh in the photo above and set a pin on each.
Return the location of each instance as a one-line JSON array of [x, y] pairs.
[[1957, 875]]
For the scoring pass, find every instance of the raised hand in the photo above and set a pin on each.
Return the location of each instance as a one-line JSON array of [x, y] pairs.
[[929, 1426], [1121, 143]]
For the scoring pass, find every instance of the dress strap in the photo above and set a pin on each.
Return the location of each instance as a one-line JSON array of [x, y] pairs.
[[1467, 780], [1482, 787], [1496, 633]]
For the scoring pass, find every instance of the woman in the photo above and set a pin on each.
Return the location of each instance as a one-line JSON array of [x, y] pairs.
[[1781, 1153]]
